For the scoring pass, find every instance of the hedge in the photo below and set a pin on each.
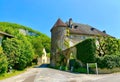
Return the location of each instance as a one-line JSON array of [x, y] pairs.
[[86, 51], [3, 62], [109, 61]]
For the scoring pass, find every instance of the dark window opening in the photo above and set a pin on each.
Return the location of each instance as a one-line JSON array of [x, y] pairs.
[[104, 31], [92, 29], [75, 27]]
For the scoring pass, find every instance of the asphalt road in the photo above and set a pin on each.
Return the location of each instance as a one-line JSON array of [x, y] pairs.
[[44, 74], [109, 78]]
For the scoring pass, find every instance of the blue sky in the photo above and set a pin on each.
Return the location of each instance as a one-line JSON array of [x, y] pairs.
[[42, 14]]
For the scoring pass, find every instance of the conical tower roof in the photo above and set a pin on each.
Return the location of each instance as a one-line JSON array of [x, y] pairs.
[[59, 23]]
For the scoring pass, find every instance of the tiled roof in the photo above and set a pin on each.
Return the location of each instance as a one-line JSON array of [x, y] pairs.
[[59, 23], [6, 34], [78, 28], [86, 30]]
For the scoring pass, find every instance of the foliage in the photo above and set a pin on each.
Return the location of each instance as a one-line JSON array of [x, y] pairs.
[[48, 55], [36, 45], [108, 52], [76, 65], [66, 43], [3, 62], [18, 51], [108, 46], [80, 70], [64, 67], [7, 27], [86, 51], [67, 32], [22, 49], [13, 29], [109, 61], [46, 42], [14, 73]]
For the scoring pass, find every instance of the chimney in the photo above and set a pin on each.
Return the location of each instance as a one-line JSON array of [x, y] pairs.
[[70, 22]]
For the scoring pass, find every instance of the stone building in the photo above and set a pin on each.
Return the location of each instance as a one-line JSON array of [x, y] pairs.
[[64, 35]]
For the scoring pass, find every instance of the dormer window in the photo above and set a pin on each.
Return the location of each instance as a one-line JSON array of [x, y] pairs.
[[75, 27], [92, 29], [104, 31]]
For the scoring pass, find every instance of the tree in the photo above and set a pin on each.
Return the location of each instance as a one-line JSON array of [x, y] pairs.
[[108, 46], [46, 42], [18, 51], [37, 45], [21, 50]]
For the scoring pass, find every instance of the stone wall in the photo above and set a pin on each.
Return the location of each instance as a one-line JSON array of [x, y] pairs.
[[61, 41]]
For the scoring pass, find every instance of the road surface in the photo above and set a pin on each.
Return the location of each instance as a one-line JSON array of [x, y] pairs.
[[109, 78], [42, 74]]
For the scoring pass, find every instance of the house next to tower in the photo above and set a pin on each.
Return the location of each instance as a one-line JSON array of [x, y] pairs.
[[68, 34], [4, 35]]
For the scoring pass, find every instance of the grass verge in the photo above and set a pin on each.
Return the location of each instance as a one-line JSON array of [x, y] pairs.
[[13, 73]]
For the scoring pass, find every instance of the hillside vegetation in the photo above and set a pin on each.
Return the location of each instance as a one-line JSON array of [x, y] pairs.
[[22, 50], [12, 28]]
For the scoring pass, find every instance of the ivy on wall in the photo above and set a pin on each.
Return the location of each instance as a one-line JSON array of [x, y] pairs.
[[67, 32], [66, 43], [86, 51]]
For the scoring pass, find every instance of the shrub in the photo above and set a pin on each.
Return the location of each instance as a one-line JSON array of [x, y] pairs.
[[86, 51], [80, 70], [109, 61], [3, 62], [76, 64], [100, 62], [18, 52], [65, 68]]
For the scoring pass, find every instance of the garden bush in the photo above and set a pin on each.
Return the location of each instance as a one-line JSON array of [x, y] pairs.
[[86, 51], [109, 61], [80, 70], [3, 62], [19, 52]]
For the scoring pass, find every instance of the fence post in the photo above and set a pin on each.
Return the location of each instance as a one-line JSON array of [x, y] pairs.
[[87, 68], [92, 65], [96, 69]]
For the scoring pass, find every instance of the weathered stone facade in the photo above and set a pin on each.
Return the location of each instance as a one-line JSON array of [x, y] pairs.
[[64, 36]]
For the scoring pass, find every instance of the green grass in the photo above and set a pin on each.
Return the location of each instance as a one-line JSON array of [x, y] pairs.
[[13, 73]]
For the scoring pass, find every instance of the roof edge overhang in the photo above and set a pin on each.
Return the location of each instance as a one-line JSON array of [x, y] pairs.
[[6, 34]]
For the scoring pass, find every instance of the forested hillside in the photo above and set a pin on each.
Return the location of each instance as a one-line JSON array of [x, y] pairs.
[[13, 28], [20, 51]]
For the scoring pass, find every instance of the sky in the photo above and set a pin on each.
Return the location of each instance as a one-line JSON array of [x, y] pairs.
[[41, 15]]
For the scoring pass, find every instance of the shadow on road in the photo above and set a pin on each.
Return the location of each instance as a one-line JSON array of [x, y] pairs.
[[42, 66]]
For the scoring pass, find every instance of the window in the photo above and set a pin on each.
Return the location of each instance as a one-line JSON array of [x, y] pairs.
[[75, 27], [83, 37], [71, 36]]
